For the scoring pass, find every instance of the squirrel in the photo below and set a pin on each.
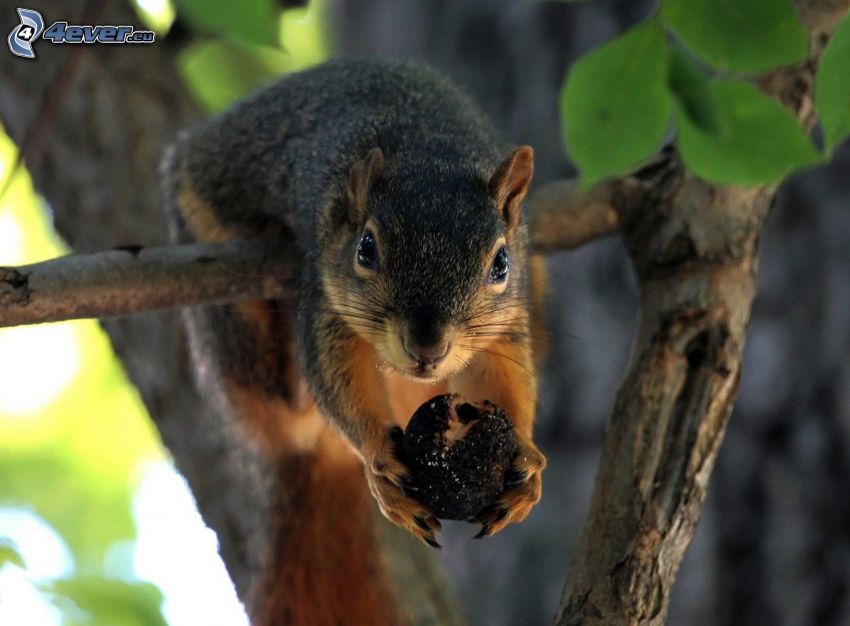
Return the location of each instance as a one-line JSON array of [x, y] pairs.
[[413, 276]]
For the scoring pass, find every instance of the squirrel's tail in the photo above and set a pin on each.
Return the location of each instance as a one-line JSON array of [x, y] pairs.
[[326, 568]]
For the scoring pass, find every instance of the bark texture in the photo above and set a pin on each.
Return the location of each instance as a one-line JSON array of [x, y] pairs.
[[694, 247]]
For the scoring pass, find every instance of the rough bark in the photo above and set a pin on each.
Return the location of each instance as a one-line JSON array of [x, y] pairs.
[[694, 248], [563, 217]]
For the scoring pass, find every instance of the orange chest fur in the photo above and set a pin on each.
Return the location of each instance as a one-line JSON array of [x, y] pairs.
[[388, 394]]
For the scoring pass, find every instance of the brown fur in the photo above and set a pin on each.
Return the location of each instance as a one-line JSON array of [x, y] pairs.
[[280, 429], [249, 173], [327, 568], [199, 216], [324, 517], [324, 514]]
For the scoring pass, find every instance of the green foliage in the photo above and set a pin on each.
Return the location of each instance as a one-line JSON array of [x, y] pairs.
[[615, 105], [248, 21], [87, 600], [739, 35], [238, 70], [758, 140], [689, 84], [222, 70], [53, 483], [832, 87]]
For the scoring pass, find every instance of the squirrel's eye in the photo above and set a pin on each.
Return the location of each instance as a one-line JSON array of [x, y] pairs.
[[499, 269], [367, 250]]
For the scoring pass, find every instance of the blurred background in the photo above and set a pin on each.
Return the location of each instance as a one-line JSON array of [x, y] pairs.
[[97, 526]]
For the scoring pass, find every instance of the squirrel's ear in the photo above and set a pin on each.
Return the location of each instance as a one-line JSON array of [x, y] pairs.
[[361, 177], [509, 183]]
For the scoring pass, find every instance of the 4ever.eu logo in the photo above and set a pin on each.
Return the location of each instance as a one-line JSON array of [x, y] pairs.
[[24, 35]]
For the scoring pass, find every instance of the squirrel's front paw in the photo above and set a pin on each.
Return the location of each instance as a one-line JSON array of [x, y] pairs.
[[388, 478], [523, 486]]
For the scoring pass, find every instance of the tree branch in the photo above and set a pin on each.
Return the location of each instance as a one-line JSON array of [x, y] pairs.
[[694, 248], [135, 279], [562, 216]]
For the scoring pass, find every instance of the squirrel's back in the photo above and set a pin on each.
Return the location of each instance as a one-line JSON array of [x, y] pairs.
[[297, 139]]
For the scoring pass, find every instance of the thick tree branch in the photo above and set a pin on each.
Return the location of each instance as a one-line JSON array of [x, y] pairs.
[[694, 248], [694, 251]]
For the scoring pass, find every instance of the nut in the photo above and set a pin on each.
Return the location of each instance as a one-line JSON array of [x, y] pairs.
[[458, 453]]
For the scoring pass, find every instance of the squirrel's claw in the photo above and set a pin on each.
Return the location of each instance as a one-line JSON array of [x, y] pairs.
[[523, 487], [389, 480], [404, 511]]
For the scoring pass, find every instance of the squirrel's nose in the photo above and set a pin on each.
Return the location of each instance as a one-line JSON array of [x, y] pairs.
[[430, 354]]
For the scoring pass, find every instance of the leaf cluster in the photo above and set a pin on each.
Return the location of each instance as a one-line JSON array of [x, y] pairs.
[[688, 72]]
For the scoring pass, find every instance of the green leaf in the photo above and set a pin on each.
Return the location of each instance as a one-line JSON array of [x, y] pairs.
[[690, 85], [219, 72], [9, 553], [615, 106], [832, 86], [248, 21], [739, 35], [758, 141], [107, 601]]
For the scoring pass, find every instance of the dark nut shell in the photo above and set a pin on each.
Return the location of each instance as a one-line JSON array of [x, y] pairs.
[[458, 453]]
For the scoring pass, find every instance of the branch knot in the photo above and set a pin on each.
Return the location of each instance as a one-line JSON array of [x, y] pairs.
[[14, 287]]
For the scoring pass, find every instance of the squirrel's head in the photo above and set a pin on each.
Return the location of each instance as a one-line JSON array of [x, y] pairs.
[[430, 264]]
